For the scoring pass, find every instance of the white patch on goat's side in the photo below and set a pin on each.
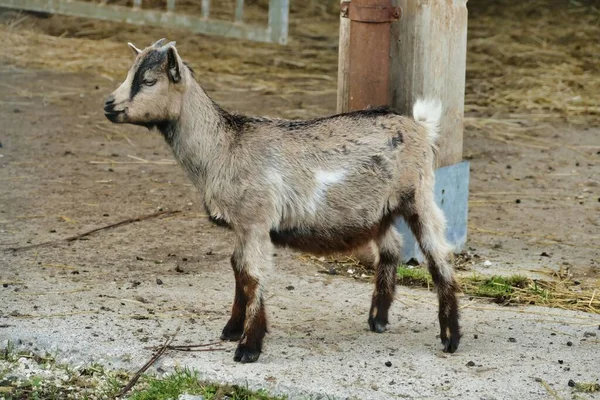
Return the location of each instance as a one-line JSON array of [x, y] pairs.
[[323, 180]]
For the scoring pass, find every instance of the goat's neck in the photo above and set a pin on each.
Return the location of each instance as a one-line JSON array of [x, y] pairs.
[[199, 138]]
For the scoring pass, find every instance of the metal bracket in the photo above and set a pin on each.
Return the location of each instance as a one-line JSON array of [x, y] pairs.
[[369, 14]]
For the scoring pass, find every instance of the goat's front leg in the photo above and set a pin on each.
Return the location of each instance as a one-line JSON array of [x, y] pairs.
[[235, 326], [253, 252]]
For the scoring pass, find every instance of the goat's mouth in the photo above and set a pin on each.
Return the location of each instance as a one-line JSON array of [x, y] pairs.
[[114, 115]]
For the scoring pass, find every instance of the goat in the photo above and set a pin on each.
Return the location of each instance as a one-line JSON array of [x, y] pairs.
[[331, 184]]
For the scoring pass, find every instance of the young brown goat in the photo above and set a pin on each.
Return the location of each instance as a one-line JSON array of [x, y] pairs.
[[326, 185]]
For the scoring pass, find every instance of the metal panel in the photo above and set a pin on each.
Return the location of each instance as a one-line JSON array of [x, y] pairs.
[[277, 30], [278, 20], [239, 10], [452, 195]]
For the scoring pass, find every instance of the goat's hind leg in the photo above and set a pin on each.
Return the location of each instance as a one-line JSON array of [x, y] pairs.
[[389, 256], [428, 224]]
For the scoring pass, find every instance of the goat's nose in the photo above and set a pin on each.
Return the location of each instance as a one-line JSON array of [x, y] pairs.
[[109, 104]]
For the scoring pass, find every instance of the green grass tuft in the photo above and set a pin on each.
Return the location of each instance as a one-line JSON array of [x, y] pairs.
[[497, 287], [94, 382], [186, 381], [408, 276]]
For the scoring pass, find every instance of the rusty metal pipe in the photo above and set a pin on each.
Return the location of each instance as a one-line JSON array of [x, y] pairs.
[[369, 51]]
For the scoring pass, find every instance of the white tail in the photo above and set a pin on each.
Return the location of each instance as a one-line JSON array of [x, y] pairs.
[[428, 113]]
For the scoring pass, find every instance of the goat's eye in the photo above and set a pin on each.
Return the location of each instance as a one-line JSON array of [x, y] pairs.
[[149, 82]]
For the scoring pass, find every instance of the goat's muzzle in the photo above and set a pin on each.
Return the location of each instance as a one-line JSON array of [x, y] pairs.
[[109, 110]]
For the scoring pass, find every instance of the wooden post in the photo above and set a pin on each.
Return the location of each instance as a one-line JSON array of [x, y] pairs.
[[429, 60]]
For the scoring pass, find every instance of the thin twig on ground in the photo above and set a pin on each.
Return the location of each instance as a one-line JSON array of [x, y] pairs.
[[155, 357], [85, 234], [197, 347]]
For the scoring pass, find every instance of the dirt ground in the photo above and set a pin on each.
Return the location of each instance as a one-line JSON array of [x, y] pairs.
[[534, 209]]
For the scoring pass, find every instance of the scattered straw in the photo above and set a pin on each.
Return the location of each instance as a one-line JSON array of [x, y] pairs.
[[535, 60]]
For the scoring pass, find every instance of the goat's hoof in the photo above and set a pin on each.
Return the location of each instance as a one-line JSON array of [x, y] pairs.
[[450, 344], [245, 354], [377, 326], [231, 335]]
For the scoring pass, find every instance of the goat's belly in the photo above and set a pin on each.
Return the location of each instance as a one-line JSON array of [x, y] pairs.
[[321, 241]]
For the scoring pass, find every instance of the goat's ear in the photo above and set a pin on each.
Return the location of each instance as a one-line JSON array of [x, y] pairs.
[[135, 50], [173, 65]]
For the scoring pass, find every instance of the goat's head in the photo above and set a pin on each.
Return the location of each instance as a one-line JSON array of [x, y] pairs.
[[153, 91]]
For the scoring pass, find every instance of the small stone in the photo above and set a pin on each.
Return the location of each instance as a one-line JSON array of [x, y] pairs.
[[105, 215], [5, 285], [569, 343], [290, 287], [471, 364], [571, 383], [159, 281], [487, 263], [518, 201], [475, 336], [544, 254], [509, 167], [388, 363], [186, 396], [560, 362], [512, 340], [52, 230]]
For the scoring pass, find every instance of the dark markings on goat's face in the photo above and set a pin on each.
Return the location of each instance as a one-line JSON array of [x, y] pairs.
[[148, 71], [151, 95]]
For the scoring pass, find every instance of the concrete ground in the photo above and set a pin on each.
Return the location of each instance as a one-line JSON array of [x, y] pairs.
[[319, 345]]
